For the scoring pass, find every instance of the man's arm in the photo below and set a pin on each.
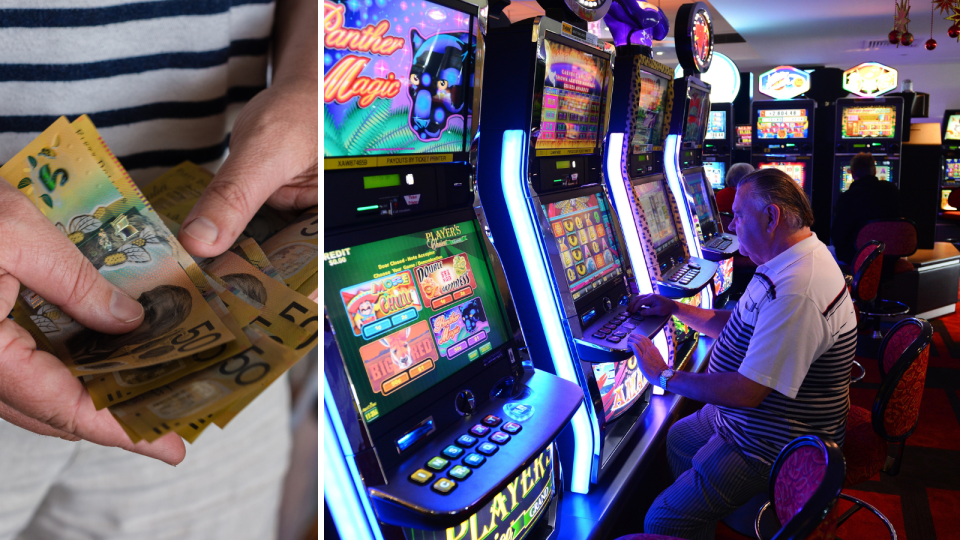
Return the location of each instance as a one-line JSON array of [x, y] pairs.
[[707, 321]]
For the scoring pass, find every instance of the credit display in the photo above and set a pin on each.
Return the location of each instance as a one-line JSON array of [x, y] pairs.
[[717, 126], [796, 170], [715, 172], [782, 124], [653, 200], [412, 310], [572, 88], [620, 384], [875, 122], [588, 248], [648, 124]]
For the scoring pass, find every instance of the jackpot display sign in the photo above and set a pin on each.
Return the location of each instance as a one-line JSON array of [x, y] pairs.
[[586, 242], [620, 384], [952, 133], [784, 82], [410, 311], [572, 97], [796, 170], [717, 126], [870, 79], [782, 124], [648, 121], [653, 200], [872, 121], [744, 136], [398, 79]]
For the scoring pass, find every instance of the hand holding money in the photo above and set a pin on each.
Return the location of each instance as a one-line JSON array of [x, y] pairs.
[[36, 392]]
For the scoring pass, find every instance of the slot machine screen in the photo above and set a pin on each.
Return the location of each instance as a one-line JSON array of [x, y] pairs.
[[585, 239], [412, 310], [717, 127], [620, 384], [652, 198], [783, 124], [796, 170], [744, 136], [952, 132], [683, 330], [572, 98], [715, 172], [883, 173], [418, 94], [701, 199], [697, 110], [648, 124], [944, 200], [952, 170], [871, 121], [723, 279]]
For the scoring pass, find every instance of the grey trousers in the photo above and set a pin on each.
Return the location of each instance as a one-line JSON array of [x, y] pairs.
[[713, 478], [228, 487]]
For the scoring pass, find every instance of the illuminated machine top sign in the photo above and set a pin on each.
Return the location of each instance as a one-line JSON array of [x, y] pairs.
[[723, 78], [694, 37], [870, 79], [784, 82]]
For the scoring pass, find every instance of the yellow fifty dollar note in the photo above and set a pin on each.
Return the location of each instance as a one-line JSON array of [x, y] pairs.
[[293, 251]]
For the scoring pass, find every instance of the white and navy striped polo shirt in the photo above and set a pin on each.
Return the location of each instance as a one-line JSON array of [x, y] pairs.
[[794, 330], [162, 79]]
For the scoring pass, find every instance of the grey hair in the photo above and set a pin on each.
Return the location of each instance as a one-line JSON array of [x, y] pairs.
[[736, 173], [773, 186]]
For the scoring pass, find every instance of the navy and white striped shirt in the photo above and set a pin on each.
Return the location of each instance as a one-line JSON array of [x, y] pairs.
[[163, 80], [793, 330]]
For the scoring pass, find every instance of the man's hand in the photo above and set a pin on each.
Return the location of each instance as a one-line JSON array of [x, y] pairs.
[[652, 305], [648, 357], [37, 391]]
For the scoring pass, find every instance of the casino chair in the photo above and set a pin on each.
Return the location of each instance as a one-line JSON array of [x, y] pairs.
[[864, 284], [899, 238], [805, 482], [904, 353]]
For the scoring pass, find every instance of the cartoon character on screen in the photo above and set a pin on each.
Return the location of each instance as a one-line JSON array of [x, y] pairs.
[[399, 346], [362, 309], [473, 315], [437, 86]]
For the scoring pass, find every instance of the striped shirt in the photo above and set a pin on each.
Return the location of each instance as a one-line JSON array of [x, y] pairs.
[[163, 80], [794, 330]]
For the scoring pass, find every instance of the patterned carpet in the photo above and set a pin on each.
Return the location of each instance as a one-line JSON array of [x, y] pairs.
[[923, 501]]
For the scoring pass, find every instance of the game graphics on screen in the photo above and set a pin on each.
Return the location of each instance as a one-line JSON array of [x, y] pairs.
[[952, 133], [864, 122], [782, 124], [714, 171], [717, 126], [398, 83], [653, 201], [695, 115], [620, 384], [648, 127], [588, 249], [796, 170], [571, 98]]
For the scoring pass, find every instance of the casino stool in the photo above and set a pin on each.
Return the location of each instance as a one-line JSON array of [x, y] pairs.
[[864, 285], [805, 482], [904, 353], [953, 200], [899, 238]]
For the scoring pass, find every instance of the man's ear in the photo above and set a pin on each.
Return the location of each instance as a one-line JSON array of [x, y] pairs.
[[773, 214]]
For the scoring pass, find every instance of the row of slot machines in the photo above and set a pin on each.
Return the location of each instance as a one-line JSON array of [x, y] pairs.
[[476, 280], [950, 157]]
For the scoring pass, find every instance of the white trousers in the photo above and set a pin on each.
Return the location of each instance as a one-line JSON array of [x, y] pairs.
[[228, 487]]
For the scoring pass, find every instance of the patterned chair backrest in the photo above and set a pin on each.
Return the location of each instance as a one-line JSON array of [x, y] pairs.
[[904, 354], [804, 485], [866, 272], [899, 236], [954, 198]]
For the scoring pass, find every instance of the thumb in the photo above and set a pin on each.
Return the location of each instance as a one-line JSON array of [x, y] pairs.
[[44, 260]]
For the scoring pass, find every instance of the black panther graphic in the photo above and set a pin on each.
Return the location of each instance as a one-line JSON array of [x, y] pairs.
[[438, 88], [473, 314]]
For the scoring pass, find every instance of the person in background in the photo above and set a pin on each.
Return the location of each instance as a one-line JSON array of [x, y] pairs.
[[868, 198], [734, 175]]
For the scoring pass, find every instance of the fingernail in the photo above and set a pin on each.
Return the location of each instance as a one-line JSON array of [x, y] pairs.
[[203, 230], [124, 308]]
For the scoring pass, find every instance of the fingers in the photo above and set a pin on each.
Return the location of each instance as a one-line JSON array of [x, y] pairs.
[[41, 257], [9, 287], [46, 399]]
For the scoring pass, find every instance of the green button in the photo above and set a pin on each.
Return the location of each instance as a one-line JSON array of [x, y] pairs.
[[437, 463], [460, 472], [421, 476], [485, 348], [473, 355]]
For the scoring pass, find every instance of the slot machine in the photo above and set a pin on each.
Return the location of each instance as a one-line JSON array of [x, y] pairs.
[[433, 427], [683, 161], [867, 125], [540, 184], [950, 140], [718, 144]]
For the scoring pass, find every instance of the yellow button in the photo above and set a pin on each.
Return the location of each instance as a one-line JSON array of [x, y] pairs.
[[444, 485], [421, 476]]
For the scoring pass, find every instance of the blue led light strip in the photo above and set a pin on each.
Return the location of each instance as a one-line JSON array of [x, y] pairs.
[[512, 173], [671, 165], [343, 489]]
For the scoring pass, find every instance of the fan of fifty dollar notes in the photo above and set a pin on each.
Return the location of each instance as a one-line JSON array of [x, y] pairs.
[[216, 332]]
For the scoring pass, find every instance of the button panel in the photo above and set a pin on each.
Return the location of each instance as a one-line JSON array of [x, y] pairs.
[[444, 486], [500, 438], [512, 428], [466, 441], [460, 472], [421, 476], [453, 452], [474, 460], [437, 463], [479, 430], [488, 448], [491, 420]]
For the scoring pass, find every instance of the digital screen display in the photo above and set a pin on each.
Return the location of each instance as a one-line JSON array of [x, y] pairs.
[[744, 135], [782, 124], [648, 120], [701, 199], [952, 170], [944, 198], [413, 95], [797, 171], [952, 132], [379, 181], [715, 171], [717, 126], [875, 122], [696, 115], [588, 247], [684, 331], [723, 279], [652, 198], [620, 384], [410, 311], [572, 89], [883, 173]]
